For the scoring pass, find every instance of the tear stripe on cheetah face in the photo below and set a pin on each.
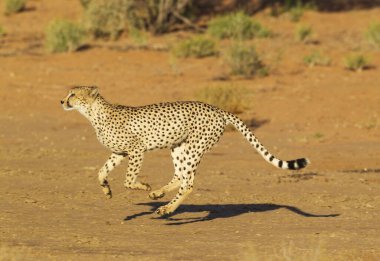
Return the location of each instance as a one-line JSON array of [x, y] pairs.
[[189, 128]]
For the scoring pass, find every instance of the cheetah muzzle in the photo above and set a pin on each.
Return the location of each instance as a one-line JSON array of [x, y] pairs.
[[189, 128]]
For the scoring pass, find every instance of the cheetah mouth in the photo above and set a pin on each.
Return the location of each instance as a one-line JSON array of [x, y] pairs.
[[68, 105]]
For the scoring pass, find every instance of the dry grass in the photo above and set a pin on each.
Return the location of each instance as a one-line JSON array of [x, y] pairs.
[[356, 62], [2, 31], [236, 26], [14, 6], [227, 97], [316, 59], [243, 60], [303, 33], [63, 36], [106, 18], [198, 47], [373, 34]]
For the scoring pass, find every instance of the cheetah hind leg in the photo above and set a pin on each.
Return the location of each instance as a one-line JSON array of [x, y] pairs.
[[159, 193], [176, 153], [186, 185]]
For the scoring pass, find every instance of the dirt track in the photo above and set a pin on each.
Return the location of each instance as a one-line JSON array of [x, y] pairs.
[[241, 208]]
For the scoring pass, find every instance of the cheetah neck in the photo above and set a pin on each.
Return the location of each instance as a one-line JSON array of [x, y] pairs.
[[97, 111]]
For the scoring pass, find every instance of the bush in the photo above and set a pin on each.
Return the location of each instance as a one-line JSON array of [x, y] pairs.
[[303, 33], [85, 3], [244, 60], [14, 6], [139, 37], [109, 18], [236, 26], [195, 47], [63, 36], [296, 13], [106, 18], [357, 62], [229, 98], [2, 31], [159, 16], [315, 58], [373, 34]]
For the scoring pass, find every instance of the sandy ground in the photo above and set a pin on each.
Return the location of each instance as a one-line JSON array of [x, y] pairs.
[[242, 208]]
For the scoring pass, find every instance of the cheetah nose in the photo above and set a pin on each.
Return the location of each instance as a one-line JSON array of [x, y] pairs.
[[62, 102]]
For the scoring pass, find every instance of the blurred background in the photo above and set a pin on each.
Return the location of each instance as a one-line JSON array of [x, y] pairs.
[[304, 75]]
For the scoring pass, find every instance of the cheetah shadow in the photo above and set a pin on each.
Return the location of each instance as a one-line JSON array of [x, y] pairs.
[[216, 211]]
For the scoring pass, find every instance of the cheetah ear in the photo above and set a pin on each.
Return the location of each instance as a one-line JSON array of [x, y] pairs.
[[94, 92]]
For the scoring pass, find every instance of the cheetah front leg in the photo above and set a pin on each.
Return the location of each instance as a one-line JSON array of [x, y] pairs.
[[135, 162], [113, 161]]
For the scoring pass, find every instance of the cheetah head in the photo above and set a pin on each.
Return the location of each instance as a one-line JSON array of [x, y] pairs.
[[80, 98]]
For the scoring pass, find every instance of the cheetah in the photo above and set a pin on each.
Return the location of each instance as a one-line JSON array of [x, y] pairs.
[[188, 128]]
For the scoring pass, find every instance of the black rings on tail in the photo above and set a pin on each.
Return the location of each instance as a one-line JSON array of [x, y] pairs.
[[298, 163]]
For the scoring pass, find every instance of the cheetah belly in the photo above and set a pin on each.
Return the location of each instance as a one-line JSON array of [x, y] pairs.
[[158, 139]]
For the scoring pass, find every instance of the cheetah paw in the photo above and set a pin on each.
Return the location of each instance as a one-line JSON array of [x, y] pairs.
[[164, 210], [156, 194], [146, 187], [107, 191]]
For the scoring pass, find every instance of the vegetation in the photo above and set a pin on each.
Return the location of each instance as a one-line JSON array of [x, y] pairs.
[[357, 62], [14, 6], [85, 3], [236, 26], [303, 33], [2, 31], [315, 58], [63, 36], [109, 18], [198, 47], [139, 37], [373, 34], [296, 12], [294, 8], [106, 18], [244, 60], [227, 97]]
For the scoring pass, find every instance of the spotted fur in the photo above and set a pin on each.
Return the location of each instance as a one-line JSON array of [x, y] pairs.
[[190, 129]]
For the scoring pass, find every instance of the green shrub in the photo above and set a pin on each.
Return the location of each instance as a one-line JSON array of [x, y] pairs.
[[315, 58], [236, 26], [85, 3], [356, 62], [373, 34], [106, 18], [198, 47], [109, 18], [160, 16], [139, 37], [63, 36], [244, 60], [14, 6], [229, 98], [303, 33], [2, 31], [296, 13]]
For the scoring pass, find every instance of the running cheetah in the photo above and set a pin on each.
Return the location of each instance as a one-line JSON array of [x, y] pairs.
[[189, 128]]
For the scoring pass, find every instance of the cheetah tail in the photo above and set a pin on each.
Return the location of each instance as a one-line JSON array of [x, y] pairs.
[[240, 126]]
